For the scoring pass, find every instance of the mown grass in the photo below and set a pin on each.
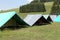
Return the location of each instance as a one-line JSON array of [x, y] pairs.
[[44, 32]]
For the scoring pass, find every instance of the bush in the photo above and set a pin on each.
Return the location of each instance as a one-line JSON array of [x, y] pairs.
[[33, 7], [55, 10]]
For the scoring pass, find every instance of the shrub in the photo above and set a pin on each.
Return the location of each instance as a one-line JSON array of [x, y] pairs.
[[33, 7]]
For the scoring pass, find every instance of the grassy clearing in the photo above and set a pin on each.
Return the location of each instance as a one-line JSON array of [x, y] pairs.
[[44, 32], [48, 6], [22, 15]]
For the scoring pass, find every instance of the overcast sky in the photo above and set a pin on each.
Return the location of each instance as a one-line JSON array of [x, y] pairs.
[[9, 4]]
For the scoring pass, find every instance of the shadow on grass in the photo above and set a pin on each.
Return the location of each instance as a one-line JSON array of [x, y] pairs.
[[41, 24], [20, 27], [13, 27]]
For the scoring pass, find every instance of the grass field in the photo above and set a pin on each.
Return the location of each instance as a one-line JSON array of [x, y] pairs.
[[44, 32]]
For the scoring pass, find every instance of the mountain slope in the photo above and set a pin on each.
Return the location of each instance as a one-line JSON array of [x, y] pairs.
[[15, 9]]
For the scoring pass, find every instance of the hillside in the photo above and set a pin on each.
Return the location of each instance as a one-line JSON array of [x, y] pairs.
[[54, 9], [15, 9]]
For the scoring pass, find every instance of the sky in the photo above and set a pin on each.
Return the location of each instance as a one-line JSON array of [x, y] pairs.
[[9, 4], [23, 2]]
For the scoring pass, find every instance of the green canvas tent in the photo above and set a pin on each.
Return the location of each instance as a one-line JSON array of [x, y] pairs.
[[10, 19]]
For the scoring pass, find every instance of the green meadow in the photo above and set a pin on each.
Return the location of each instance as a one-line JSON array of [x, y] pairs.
[[43, 32]]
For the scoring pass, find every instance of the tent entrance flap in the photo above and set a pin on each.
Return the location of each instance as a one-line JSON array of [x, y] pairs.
[[41, 21], [49, 19]]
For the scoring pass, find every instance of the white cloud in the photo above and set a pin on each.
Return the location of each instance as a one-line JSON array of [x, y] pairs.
[[29, 0]]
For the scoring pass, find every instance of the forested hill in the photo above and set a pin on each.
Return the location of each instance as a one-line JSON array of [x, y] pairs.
[[58, 1], [34, 6], [38, 6]]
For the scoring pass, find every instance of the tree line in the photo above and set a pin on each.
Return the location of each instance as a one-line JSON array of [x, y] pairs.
[[38, 6], [33, 7]]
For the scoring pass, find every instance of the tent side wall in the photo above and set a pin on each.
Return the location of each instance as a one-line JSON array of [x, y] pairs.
[[53, 17], [32, 18], [5, 17], [57, 19]]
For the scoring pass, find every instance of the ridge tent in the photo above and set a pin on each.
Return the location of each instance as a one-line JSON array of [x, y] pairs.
[[57, 19], [9, 19], [50, 18], [36, 19], [53, 17], [47, 17]]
